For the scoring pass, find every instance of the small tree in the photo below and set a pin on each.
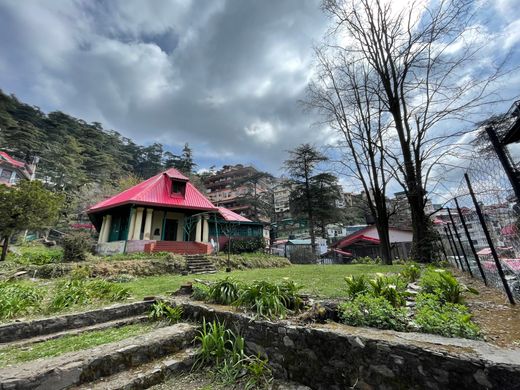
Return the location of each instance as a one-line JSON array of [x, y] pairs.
[[26, 206]]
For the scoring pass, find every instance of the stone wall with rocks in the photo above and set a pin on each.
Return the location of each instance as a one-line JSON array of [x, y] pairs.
[[335, 356]]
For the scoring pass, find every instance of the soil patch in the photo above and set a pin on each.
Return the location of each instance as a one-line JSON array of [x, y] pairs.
[[499, 320]]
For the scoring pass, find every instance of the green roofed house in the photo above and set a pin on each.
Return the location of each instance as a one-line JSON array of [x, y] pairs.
[[166, 213]]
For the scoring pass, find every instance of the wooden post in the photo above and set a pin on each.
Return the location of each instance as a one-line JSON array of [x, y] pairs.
[[456, 231], [490, 241], [473, 250]]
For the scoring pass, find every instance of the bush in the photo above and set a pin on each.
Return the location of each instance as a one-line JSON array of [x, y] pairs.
[[76, 246], [391, 288], [443, 284], [245, 245], [17, 299], [376, 312], [249, 260], [270, 300], [38, 255], [356, 285], [411, 272], [162, 311], [303, 255], [224, 292], [446, 319], [200, 292], [366, 260]]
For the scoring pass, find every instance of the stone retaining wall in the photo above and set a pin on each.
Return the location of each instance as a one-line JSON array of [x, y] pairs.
[[334, 356], [27, 329]]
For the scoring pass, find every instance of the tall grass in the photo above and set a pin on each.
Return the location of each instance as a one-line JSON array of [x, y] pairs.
[[18, 299]]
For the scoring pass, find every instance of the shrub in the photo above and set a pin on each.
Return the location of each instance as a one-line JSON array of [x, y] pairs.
[[38, 255], [303, 255], [224, 292], [392, 288], [76, 246], [160, 310], [356, 285], [377, 312], [366, 260], [443, 284], [411, 272], [17, 299], [249, 260], [446, 319], [270, 300], [200, 292], [242, 245]]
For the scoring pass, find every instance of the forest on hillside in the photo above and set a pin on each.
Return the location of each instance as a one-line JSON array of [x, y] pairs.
[[83, 160]]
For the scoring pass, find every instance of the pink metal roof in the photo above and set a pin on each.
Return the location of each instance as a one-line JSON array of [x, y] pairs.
[[229, 215], [11, 160], [156, 191]]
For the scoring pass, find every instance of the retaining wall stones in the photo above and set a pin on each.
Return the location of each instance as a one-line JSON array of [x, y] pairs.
[[27, 329], [336, 356]]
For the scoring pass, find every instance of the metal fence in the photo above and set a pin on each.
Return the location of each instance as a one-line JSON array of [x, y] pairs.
[[479, 227]]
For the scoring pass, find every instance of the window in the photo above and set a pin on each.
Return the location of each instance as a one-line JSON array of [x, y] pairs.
[[178, 187], [6, 174]]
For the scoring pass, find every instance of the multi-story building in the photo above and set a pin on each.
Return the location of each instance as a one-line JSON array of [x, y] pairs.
[[241, 189], [281, 197]]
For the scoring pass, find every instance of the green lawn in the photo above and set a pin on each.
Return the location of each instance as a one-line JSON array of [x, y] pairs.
[[322, 280], [56, 347]]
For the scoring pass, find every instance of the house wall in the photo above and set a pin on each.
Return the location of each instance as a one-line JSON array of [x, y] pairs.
[[110, 248], [157, 223], [180, 220], [395, 235]]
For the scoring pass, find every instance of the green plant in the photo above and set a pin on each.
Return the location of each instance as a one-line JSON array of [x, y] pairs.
[[443, 284], [215, 342], [377, 312], [200, 292], [245, 245], [269, 300], [37, 255], [224, 291], [160, 310], [447, 319], [259, 373], [391, 288], [17, 299], [104, 290], [76, 246], [411, 272], [356, 285]]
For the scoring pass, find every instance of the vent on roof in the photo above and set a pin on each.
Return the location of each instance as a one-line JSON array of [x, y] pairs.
[[178, 188]]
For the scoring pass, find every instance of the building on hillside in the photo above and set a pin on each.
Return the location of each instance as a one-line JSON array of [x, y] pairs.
[[165, 213], [234, 186], [365, 242], [12, 170], [281, 198]]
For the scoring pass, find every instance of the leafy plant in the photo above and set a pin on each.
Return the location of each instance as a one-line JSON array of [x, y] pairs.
[[443, 284], [215, 342], [200, 292], [37, 255], [411, 272], [245, 245], [17, 299], [224, 292], [377, 312], [356, 285], [270, 300], [76, 246], [446, 319], [160, 310], [390, 288]]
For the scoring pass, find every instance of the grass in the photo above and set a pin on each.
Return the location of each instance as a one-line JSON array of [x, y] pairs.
[[326, 281], [56, 347]]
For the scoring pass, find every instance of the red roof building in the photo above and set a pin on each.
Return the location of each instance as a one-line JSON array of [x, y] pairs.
[[165, 212], [12, 170]]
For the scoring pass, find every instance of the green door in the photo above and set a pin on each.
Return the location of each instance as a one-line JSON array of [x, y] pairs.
[[118, 228]]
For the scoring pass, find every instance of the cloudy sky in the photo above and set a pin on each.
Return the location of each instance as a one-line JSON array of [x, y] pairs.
[[224, 76]]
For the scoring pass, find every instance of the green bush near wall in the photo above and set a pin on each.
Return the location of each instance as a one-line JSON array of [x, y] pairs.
[[245, 245]]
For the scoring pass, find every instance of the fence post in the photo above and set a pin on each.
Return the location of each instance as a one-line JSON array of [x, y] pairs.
[[455, 248], [450, 241], [466, 230], [443, 249], [489, 241], [504, 160], [456, 231]]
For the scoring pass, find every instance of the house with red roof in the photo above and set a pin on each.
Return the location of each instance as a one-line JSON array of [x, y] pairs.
[[166, 213], [13, 170], [365, 242]]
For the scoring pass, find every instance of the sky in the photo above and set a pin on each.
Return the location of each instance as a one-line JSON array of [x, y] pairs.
[[227, 77]]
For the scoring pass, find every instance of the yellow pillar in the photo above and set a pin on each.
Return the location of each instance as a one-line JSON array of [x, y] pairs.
[[106, 230], [198, 229], [148, 224], [102, 230], [205, 229], [131, 224], [138, 223]]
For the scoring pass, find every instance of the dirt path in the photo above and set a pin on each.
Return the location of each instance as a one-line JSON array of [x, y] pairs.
[[499, 320]]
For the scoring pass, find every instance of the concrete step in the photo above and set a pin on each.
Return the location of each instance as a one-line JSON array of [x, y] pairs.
[[72, 332], [204, 272], [76, 368], [145, 375]]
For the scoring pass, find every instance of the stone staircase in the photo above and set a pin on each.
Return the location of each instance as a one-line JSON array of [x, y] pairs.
[[137, 362], [199, 264]]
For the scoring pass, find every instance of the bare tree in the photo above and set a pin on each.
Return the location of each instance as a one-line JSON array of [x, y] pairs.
[[344, 92], [422, 56]]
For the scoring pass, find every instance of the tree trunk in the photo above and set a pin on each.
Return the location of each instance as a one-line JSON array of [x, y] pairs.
[[422, 248], [5, 247]]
